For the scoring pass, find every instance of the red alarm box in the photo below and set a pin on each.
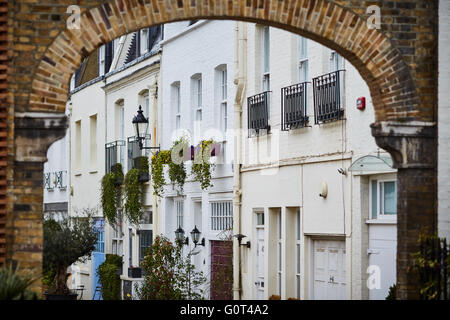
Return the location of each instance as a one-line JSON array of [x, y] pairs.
[[361, 103]]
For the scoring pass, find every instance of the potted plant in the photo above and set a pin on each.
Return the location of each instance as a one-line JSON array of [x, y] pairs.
[[66, 242], [117, 171], [141, 163]]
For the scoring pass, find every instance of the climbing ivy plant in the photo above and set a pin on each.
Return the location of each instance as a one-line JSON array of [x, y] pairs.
[[157, 162], [134, 193], [202, 167], [111, 193]]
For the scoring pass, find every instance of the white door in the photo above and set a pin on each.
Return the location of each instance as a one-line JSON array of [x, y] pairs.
[[382, 255], [259, 278], [328, 270]]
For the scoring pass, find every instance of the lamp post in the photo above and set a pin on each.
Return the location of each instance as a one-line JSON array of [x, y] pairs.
[[140, 124], [195, 235]]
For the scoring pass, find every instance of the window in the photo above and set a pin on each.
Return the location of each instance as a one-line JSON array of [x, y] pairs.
[[145, 242], [130, 247], [143, 41], [297, 253], [147, 217], [221, 215], [223, 101], [260, 218], [293, 106], [93, 140], [179, 212], [196, 91], [258, 113], [176, 104], [265, 58], [336, 61], [120, 128], [383, 199], [99, 225], [101, 60], [302, 59], [279, 253], [117, 240], [78, 144]]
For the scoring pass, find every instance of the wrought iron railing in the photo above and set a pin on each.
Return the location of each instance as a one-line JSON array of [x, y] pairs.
[[114, 153], [135, 152], [293, 106], [328, 97], [57, 179], [258, 113]]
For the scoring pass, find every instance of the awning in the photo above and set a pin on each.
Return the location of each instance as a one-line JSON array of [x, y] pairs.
[[372, 164]]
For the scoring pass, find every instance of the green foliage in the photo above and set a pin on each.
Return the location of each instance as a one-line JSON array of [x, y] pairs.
[[177, 169], [15, 287], [66, 242], [170, 276], [110, 197], [428, 266], [109, 278], [117, 170], [392, 295], [158, 160], [134, 193], [202, 167]]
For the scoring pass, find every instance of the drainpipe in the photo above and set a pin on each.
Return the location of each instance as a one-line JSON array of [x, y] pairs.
[[240, 81]]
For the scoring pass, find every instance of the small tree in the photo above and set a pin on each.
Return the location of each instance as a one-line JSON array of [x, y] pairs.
[[170, 276], [66, 242]]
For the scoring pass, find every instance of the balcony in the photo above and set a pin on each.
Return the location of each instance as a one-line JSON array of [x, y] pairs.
[[328, 94], [258, 113], [293, 106], [114, 153], [57, 179], [134, 152]]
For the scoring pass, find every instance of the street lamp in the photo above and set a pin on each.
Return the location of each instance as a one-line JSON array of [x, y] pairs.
[[140, 124], [195, 235], [180, 238]]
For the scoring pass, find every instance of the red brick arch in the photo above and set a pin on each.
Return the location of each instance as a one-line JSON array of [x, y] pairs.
[[369, 50]]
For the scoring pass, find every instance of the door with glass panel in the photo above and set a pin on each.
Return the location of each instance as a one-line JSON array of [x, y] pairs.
[[259, 257]]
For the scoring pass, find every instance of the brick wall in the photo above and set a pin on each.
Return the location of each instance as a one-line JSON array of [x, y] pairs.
[[3, 124], [397, 62]]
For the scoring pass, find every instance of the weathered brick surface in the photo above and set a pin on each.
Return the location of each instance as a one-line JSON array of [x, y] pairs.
[[398, 62], [3, 125], [221, 270]]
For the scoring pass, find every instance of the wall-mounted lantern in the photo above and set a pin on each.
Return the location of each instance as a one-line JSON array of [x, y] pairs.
[[140, 125], [180, 238], [195, 235], [239, 238], [324, 190]]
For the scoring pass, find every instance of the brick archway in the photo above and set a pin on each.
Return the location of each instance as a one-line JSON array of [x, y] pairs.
[[397, 62], [369, 50]]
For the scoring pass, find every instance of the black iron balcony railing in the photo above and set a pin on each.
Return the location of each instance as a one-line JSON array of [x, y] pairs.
[[328, 96], [114, 153], [60, 179], [47, 181], [258, 113], [135, 152], [293, 106]]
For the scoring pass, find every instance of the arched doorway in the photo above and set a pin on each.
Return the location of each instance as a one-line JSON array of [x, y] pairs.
[[404, 105]]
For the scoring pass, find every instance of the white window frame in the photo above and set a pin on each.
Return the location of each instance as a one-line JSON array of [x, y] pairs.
[[117, 236], [179, 213], [303, 62], [176, 104], [265, 57], [198, 99], [101, 60], [221, 216], [379, 214], [143, 34]]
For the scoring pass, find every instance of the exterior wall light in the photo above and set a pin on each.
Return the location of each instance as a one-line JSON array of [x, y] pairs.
[[195, 235], [324, 190], [140, 125], [239, 238], [180, 238]]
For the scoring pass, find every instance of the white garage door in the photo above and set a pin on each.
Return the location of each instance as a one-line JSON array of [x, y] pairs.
[[329, 270]]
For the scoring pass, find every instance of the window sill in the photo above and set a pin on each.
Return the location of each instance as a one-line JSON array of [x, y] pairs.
[[381, 221]]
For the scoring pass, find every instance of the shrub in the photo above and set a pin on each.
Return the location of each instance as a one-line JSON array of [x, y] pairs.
[[66, 242], [134, 192], [109, 278], [15, 287]]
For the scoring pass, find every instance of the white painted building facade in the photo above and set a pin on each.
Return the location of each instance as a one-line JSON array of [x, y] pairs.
[[196, 97], [313, 231]]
